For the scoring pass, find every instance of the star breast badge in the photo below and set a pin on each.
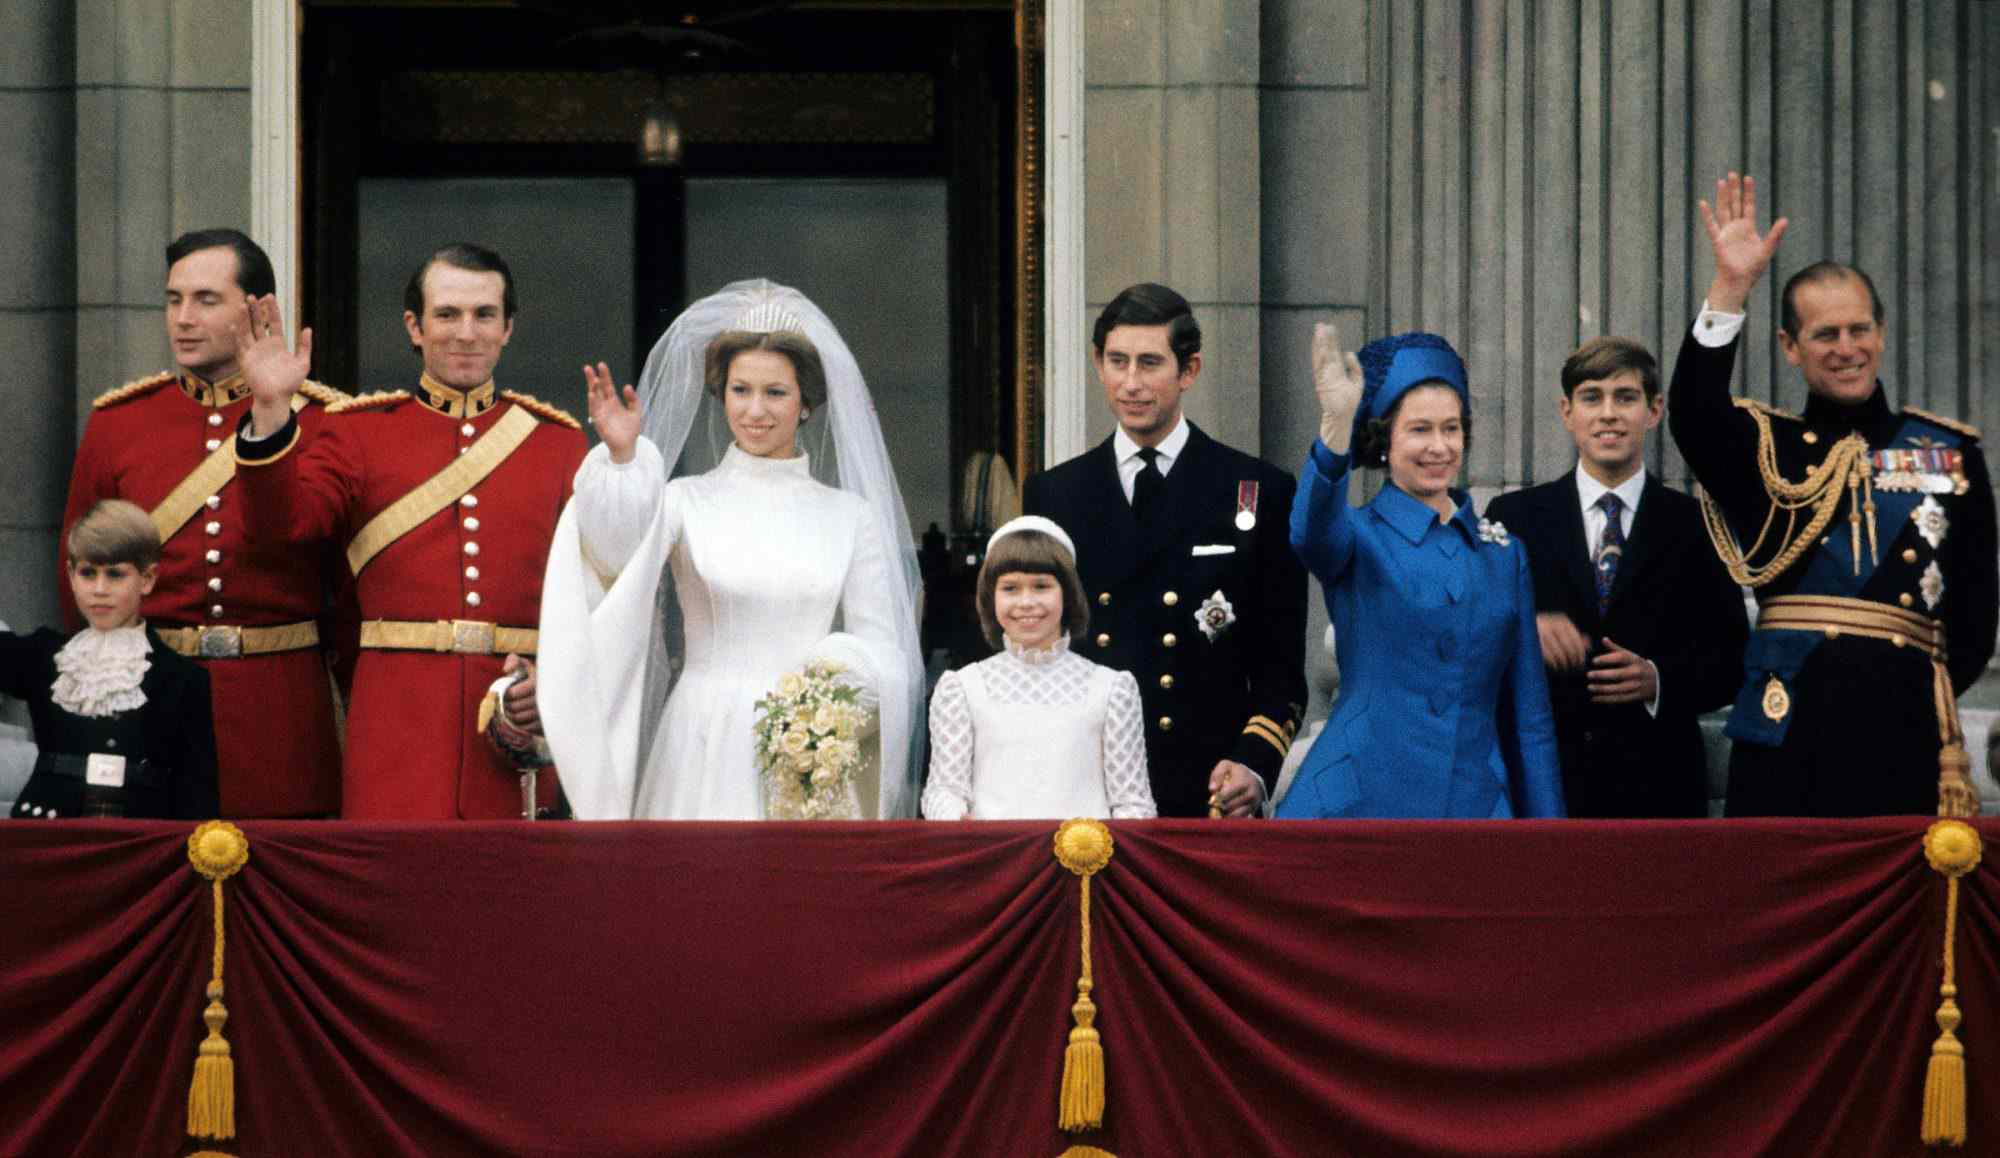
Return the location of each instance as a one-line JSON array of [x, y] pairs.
[[1214, 615]]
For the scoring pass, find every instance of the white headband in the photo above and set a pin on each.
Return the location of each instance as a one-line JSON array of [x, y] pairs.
[[1047, 527]]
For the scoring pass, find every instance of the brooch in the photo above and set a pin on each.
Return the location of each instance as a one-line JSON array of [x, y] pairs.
[[1932, 586], [1931, 521], [1214, 615], [1492, 532]]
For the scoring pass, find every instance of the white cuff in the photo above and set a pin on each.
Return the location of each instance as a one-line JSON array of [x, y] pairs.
[[1653, 705], [1713, 328]]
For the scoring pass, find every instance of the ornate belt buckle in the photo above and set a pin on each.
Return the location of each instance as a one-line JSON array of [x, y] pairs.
[[221, 643], [472, 637]]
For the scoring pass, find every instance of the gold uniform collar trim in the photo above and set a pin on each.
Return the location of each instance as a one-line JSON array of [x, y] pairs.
[[221, 392], [456, 403]]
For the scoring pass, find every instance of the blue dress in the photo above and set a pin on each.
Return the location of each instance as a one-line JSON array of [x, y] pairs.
[[1443, 708]]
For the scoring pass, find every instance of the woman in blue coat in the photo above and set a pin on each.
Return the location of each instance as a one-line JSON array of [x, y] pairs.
[[1443, 707]]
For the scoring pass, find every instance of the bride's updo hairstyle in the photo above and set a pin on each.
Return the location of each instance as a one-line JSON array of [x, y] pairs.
[[796, 347], [1023, 546]]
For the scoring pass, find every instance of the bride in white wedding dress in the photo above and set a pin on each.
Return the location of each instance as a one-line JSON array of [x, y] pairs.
[[737, 575]]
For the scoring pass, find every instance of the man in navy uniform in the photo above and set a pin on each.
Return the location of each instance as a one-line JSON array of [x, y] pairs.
[[1641, 627], [1867, 533], [1182, 547]]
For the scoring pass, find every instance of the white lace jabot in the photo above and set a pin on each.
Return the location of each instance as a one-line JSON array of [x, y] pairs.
[[98, 672]]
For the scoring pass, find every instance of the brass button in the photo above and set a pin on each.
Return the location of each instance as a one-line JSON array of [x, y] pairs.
[[1169, 639], [1909, 554], [1166, 681], [1170, 598], [1104, 639], [469, 501], [1905, 599], [1833, 633], [1810, 438], [212, 443], [213, 556], [1166, 723], [215, 420], [1898, 640], [472, 598], [212, 502], [1104, 599], [215, 584]]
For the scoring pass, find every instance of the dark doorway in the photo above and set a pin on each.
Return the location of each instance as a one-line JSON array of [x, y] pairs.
[[520, 125]]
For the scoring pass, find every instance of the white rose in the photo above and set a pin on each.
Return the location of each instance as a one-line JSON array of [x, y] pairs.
[[826, 719], [790, 685], [795, 741]]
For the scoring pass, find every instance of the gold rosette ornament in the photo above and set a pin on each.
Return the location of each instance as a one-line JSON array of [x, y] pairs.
[[218, 850], [1953, 849], [1083, 847]]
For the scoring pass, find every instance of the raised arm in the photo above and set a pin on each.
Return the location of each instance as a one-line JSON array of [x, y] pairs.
[[1718, 440], [621, 484], [1322, 527]]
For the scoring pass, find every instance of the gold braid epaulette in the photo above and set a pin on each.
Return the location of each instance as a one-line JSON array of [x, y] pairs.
[[1846, 467], [1764, 408], [133, 389], [369, 401], [323, 394], [1952, 424], [546, 410]]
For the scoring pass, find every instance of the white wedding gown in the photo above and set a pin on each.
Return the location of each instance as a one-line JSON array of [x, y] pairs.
[[762, 558]]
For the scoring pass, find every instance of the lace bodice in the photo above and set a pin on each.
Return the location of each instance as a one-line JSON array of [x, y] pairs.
[[987, 723]]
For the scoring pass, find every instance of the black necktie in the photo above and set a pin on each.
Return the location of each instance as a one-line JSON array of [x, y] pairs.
[[1150, 482]]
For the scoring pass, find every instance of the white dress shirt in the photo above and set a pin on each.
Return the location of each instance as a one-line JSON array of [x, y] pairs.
[[1589, 491], [1130, 464]]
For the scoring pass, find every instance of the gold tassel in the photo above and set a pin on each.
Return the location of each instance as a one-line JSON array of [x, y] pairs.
[[1953, 849], [1083, 1064], [217, 849], [1072, 1152], [1083, 846]]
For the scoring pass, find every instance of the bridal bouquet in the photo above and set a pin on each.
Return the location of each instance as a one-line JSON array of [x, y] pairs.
[[808, 734]]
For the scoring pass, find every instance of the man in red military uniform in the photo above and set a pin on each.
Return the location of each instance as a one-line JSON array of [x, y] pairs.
[[256, 618], [444, 501]]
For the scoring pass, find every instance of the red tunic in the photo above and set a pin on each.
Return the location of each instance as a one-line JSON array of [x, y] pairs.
[[413, 748], [140, 442]]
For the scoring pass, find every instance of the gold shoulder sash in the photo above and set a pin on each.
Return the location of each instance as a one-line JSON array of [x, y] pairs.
[[441, 489], [207, 478]]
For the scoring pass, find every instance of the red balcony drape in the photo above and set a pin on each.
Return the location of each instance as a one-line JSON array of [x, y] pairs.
[[1509, 988]]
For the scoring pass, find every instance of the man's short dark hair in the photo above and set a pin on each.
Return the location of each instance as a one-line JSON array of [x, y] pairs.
[[1824, 271], [462, 255], [1151, 304], [1608, 357], [253, 266]]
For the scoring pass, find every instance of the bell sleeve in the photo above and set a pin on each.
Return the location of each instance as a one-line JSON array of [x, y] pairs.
[[598, 621], [870, 647]]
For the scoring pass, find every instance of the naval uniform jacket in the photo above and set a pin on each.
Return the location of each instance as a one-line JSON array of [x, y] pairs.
[[1861, 733], [141, 441], [1233, 691], [1672, 603], [168, 742], [413, 746]]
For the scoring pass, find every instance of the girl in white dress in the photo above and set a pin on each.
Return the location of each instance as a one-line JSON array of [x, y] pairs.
[[739, 574], [1037, 731]]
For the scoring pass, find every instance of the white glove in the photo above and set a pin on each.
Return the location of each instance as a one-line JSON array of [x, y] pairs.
[[1337, 380]]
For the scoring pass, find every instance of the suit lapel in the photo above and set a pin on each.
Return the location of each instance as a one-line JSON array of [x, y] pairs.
[[1567, 511], [1108, 543], [1177, 515]]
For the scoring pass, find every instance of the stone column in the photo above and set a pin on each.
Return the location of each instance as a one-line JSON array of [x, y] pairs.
[[1171, 192], [37, 297]]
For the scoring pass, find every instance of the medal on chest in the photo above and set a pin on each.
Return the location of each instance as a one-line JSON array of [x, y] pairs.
[[1246, 505], [1921, 469]]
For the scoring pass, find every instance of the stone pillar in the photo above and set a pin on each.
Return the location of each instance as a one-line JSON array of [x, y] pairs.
[[37, 297], [1171, 192]]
